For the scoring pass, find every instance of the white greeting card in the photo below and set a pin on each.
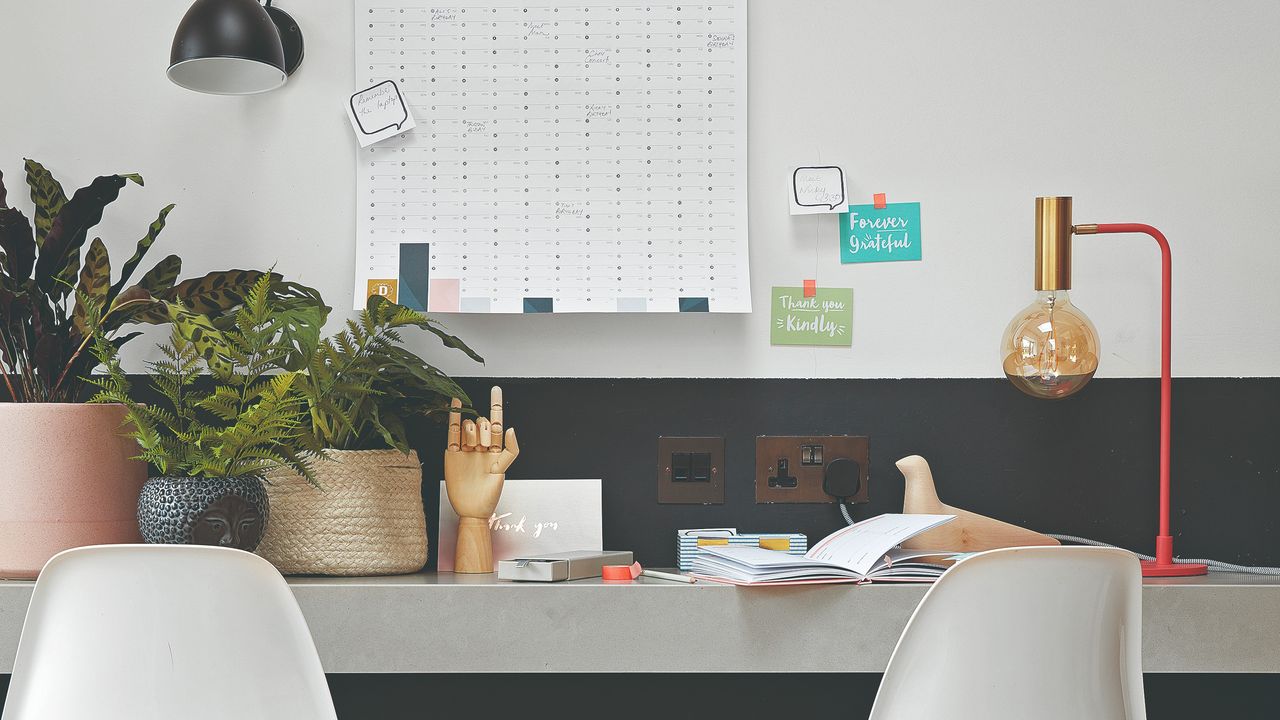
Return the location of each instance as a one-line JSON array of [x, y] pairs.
[[533, 517]]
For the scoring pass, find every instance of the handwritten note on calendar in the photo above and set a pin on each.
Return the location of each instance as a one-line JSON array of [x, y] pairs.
[[569, 156]]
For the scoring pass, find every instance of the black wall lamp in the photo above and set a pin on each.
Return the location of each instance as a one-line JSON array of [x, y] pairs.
[[234, 47]]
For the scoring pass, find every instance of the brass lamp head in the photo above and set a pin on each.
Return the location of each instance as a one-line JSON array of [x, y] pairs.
[[1050, 348], [1053, 243]]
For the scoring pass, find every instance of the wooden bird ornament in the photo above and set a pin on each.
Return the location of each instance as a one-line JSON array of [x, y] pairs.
[[969, 532], [475, 466]]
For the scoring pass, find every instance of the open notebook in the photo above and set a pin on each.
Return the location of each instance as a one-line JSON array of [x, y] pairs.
[[864, 551]]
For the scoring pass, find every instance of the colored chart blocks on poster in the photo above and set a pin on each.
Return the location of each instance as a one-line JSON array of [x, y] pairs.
[[695, 304], [871, 234], [539, 305], [824, 319], [415, 259]]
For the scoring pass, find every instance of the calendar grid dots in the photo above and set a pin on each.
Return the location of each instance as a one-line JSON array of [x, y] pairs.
[[577, 156]]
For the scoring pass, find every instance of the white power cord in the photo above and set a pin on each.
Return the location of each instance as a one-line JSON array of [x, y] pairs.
[[1214, 564]]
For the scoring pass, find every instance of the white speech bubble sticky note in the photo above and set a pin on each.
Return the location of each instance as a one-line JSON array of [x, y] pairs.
[[817, 189], [378, 112]]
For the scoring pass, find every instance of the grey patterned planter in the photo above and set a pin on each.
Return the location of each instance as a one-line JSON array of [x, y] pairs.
[[226, 511]]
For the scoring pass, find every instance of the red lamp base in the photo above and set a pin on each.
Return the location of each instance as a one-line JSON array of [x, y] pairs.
[[1164, 566], [1151, 568]]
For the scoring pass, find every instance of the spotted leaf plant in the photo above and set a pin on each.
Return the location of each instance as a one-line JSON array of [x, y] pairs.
[[46, 286]]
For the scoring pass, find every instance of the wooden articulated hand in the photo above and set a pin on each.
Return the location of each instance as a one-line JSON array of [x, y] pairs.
[[475, 465]]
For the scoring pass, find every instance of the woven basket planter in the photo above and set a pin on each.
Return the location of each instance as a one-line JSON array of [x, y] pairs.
[[367, 519]]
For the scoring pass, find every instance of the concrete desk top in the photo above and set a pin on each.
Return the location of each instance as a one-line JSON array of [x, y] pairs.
[[423, 623]]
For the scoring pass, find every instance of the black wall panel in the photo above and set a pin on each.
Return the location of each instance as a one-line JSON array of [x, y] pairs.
[[1086, 465]]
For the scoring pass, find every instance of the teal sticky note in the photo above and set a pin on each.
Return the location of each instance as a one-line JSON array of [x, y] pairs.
[[868, 234], [824, 319]]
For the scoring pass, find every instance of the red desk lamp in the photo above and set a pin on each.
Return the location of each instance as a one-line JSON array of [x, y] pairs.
[[1050, 348]]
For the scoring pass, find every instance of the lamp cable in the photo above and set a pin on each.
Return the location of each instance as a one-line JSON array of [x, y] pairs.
[[1214, 564]]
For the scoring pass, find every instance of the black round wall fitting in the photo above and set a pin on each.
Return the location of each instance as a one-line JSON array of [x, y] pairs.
[[235, 47], [290, 37]]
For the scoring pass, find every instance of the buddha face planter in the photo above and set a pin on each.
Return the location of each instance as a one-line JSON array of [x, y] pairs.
[[226, 511]]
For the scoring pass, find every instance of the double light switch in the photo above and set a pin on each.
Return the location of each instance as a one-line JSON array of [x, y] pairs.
[[691, 470]]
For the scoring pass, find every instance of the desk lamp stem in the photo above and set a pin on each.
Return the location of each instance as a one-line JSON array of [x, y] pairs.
[[1163, 565]]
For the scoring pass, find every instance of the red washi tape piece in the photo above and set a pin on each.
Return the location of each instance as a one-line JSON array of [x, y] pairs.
[[621, 572], [810, 288], [878, 201]]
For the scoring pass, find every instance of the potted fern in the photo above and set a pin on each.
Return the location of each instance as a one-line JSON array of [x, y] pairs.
[[212, 439], [68, 479], [362, 390]]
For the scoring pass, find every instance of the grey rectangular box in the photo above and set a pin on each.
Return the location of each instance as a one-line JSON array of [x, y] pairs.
[[574, 565]]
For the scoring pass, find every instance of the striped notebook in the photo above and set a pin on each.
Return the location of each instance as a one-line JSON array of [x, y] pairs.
[[689, 543]]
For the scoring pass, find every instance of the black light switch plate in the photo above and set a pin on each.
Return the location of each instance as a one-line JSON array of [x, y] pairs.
[[691, 470]]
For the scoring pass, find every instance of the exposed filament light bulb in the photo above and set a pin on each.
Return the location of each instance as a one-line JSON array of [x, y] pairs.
[[1050, 348]]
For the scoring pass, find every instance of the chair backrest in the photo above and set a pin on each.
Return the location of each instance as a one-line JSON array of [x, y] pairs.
[[165, 631], [1039, 632]]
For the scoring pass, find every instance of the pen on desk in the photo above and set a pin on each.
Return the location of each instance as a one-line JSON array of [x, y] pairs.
[[669, 576]]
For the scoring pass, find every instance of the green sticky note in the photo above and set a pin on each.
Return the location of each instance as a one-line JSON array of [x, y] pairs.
[[871, 234], [824, 319]]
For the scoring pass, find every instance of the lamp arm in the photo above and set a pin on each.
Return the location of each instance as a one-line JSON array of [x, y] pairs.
[[1164, 542]]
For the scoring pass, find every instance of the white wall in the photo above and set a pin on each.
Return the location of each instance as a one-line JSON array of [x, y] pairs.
[[1157, 111]]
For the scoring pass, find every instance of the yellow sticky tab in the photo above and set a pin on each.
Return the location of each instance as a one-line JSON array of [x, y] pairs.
[[712, 541], [387, 288], [783, 544]]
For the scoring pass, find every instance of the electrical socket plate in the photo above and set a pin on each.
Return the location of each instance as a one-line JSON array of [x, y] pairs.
[[807, 457], [691, 470]]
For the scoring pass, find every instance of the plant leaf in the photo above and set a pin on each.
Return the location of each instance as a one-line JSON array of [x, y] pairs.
[[378, 304], [451, 341], [136, 305], [4, 193], [155, 312], [61, 248], [95, 281], [300, 314], [46, 195], [162, 276], [18, 244], [120, 340], [216, 292], [209, 342], [126, 272]]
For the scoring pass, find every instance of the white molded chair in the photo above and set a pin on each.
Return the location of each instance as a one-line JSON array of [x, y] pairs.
[[165, 631], [1051, 633]]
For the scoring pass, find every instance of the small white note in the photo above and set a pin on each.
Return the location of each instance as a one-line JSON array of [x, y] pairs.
[[378, 112], [817, 189]]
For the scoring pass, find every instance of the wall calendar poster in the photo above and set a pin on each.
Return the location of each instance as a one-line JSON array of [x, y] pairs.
[[564, 156]]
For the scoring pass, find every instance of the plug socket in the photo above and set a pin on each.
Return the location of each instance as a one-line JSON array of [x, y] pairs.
[[802, 469]]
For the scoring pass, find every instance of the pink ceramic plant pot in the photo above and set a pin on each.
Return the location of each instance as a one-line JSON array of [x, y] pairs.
[[66, 480]]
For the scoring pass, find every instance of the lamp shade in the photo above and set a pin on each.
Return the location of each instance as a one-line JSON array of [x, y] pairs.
[[227, 47]]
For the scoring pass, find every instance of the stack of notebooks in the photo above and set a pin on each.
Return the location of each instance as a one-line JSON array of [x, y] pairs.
[[692, 544], [864, 552]]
